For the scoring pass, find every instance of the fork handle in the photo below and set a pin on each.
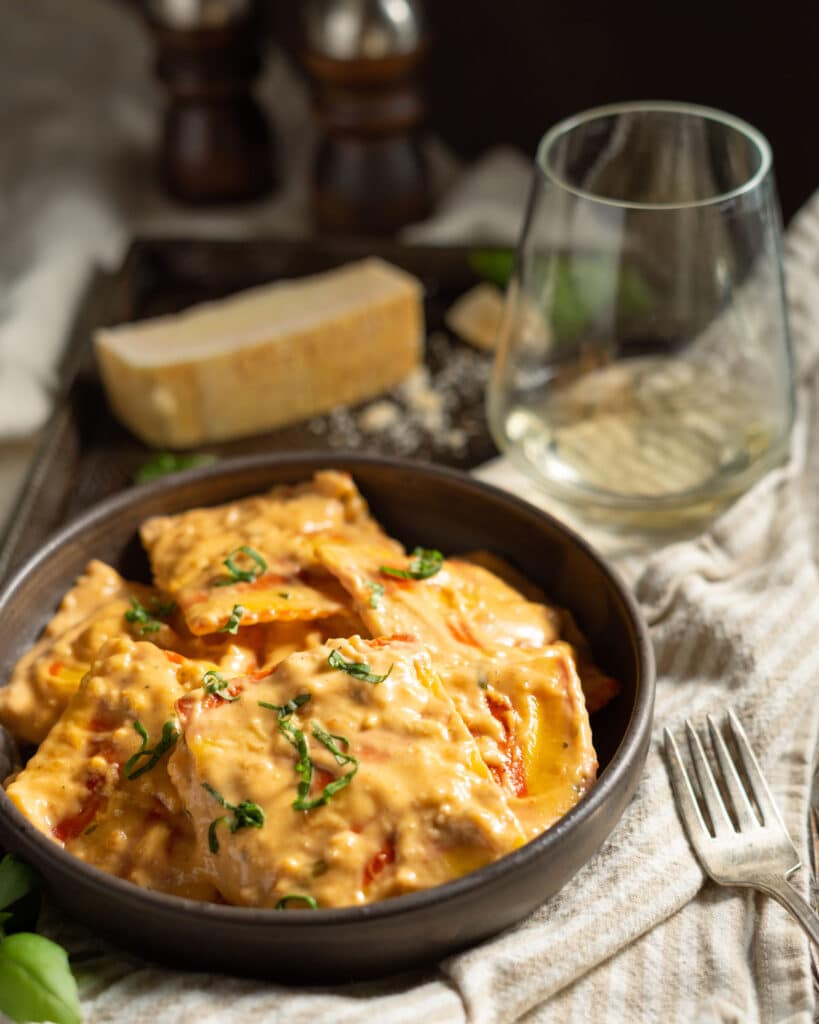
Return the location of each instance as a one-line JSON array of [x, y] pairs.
[[783, 892]]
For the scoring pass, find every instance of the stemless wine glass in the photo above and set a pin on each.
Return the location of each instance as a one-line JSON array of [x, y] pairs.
[[643, 372]]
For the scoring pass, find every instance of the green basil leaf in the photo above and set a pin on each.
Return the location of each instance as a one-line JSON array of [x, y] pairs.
[[170, 734], [148, 623], [245, 815], [357, 669], [425, 562], [232, 624], [299, 897], [238, 575], [16, 880], [36, 983], [164, 463], [285, 710], [495, 265], [214, 683], [328, 739]]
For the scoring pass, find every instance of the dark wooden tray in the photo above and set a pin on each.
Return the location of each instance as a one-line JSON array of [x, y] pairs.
[[86, 454]]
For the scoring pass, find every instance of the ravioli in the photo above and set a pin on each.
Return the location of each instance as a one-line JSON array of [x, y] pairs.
[[514, 684], [100, 607], [418, 807], [253, 560], [45, 678], [463, 609], [75, 790], [528, 717]]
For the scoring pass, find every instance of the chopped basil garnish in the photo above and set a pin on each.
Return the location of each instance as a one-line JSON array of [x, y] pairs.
[[215, 683], [232, 624], [148, 623], [286, 709], [170, 734], [357, 669], [238, 575], [483, 679], [245, 815], [304, 765], [298, 896], [330, 790], [425, 562], [376, 595], [328, 739], [283, 595]]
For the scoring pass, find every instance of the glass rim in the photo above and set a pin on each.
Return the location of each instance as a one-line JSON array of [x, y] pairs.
[[569, 124]]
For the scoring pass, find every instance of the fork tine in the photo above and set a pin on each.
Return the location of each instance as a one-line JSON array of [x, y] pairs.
[[684, 795], [745, 815], [708, 787], [759, 787]]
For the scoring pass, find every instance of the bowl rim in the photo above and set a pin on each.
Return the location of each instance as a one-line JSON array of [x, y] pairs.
[[635, 735]]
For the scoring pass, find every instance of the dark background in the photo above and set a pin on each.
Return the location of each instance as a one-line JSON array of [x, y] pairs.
[[503, 71]]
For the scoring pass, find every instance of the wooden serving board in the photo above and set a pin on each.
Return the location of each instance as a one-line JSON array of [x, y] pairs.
[[85, 454]]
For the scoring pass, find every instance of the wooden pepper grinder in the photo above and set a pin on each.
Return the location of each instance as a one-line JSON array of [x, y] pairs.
[[216, 145], [369, 174]]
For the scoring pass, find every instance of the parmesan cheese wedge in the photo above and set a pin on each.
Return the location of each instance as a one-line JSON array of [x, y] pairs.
[[265, 357]]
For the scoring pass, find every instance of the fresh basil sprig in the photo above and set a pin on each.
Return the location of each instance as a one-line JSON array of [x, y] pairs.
[[148, 621], [357, 669], [170, 734], [232, 624], [299, 897], [245, 815], [425, 562], [214, 682], [36, 983], [238, 575]]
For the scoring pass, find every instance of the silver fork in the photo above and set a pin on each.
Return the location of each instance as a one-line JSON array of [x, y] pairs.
[[744, 844]]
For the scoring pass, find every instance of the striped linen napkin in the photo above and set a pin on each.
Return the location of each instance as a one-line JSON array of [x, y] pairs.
[[639, 934]]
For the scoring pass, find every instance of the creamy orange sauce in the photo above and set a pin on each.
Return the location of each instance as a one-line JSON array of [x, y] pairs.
[[188, 553], [74, 789], [514, 684], [476, 739], [94, 611], [420, 809]]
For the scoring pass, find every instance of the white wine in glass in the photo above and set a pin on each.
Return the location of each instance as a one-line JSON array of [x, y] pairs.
[[643, 372]]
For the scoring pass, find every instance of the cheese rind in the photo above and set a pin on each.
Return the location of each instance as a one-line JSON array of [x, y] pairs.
[[265, 357]]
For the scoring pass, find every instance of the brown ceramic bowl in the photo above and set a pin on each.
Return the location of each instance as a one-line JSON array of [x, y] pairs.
[[419, 504]]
